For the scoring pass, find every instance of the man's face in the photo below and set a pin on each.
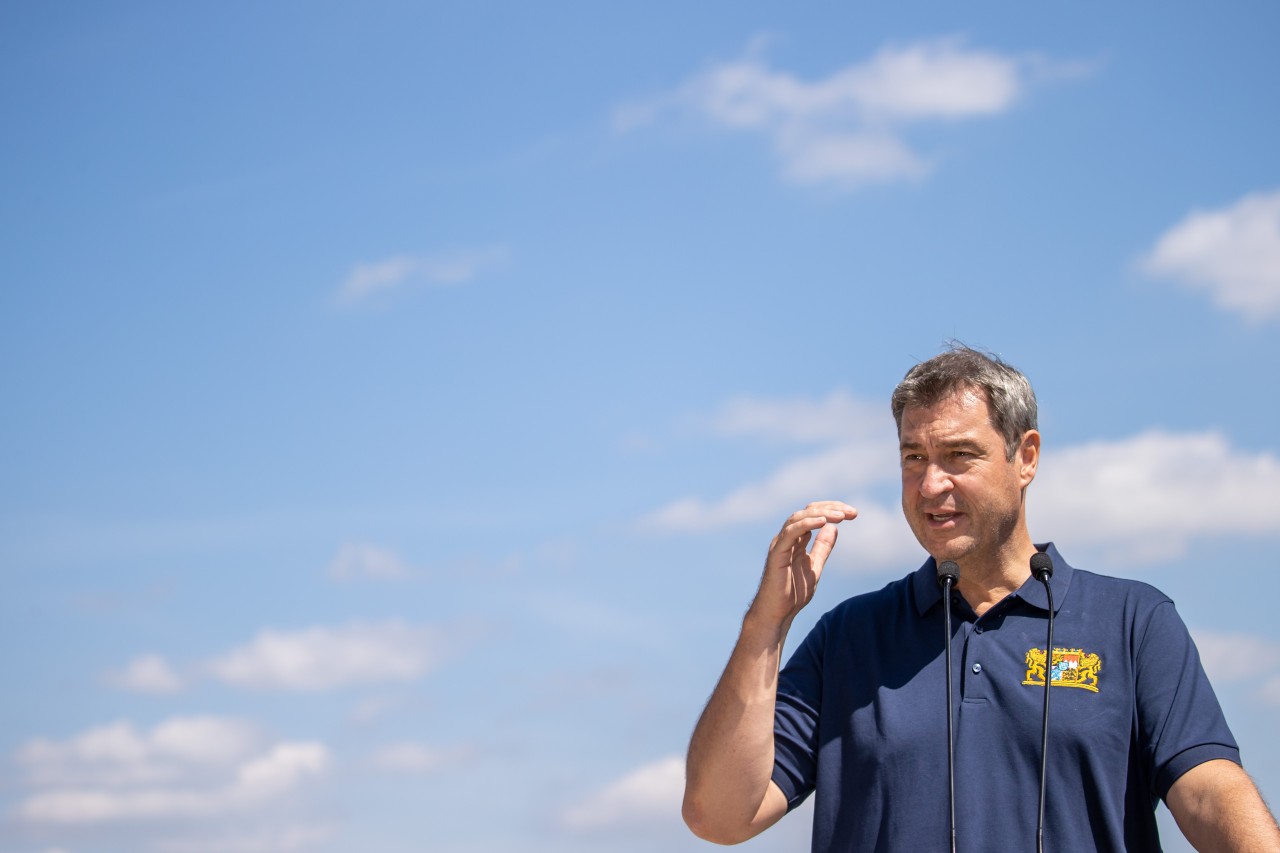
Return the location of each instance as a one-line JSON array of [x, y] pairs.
[[960, 494]]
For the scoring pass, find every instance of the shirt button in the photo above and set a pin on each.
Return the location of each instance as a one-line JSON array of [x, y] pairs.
[[977, 668], [978, 629]]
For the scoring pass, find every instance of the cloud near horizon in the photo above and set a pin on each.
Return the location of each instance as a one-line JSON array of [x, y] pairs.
[[186, 767], [647, 798], [845, 130], [1232, 254]]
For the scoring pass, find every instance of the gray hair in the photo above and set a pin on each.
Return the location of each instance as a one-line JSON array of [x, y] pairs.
[[1010, 400]]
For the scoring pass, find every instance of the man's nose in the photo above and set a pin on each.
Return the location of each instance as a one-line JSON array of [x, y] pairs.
[[935, 481]]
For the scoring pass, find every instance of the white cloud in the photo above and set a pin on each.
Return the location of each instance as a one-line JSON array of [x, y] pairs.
[[362, 561], [1232, 254], [931, 79], [280, 769], [325, 658], [847, 159], [1131, 501], [838, 416], [186, 767], [119, 754], [149, 673], [1146, 498], [845, 129], [648, 798], [368, 281]]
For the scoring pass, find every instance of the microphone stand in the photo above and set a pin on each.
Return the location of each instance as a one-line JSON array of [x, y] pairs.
[[1042, 568], [948, 574]]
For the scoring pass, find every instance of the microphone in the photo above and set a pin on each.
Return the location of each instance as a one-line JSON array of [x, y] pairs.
[[1042, 568], [948, 576]]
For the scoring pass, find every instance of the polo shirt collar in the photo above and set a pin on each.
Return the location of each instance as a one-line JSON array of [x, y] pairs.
[[928, 593], [1032, 592]]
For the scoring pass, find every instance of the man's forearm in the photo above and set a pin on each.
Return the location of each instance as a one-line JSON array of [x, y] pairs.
[[1219, 810], [729, 795], [727, 789]]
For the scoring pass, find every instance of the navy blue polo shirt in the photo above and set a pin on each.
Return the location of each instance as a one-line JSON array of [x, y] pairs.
[[861, 717]]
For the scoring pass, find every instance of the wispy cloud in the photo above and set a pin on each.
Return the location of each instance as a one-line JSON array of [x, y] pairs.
[[370, 281], [324, 658], [1235, 656], [363, 561], [372, 708], [411, 757], [837, 417], [1232, 254], [855, 459], [648, 798], [149, 673], [846, 130], [184, 768], [1238, 657], [1123, 501]]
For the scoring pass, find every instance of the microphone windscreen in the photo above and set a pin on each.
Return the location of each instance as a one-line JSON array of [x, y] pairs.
[[948, 570], [1041, 565]]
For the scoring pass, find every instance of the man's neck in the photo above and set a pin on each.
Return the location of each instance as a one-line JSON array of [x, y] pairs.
[[984, 582]]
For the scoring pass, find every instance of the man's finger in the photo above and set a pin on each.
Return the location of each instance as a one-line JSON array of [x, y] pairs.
[[811, 519], [822, 545], [798, 528]]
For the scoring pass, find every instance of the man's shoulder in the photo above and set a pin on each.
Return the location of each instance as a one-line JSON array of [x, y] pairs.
[[1099, 590], [1099, 586], [890, 598], [870, 619]]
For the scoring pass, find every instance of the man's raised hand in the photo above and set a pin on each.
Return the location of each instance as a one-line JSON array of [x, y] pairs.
[[792, 569]]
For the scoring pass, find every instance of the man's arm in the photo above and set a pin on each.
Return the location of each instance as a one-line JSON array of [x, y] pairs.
[[729, 795], [1219, 810]]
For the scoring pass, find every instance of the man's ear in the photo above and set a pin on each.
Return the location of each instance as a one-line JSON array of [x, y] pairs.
[[1028, 457]]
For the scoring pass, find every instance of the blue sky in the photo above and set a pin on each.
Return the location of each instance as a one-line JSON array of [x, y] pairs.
[[399, 398]]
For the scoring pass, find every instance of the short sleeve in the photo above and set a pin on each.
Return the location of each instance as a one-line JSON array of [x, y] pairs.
[[1180, 721], [795, 731]]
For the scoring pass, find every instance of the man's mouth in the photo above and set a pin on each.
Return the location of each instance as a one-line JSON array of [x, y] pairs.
[[942, 517]]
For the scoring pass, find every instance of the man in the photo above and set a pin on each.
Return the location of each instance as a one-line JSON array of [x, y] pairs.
[[858, 716]]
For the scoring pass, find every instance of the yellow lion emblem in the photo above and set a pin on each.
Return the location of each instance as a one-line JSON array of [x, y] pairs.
[[1070, 668]]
